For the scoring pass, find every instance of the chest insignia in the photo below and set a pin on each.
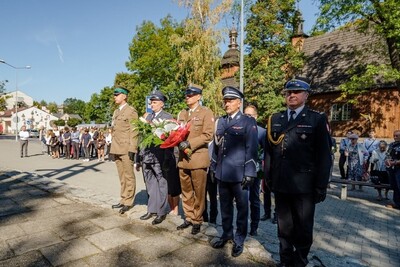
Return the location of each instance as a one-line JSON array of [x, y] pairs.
[[303, 136]]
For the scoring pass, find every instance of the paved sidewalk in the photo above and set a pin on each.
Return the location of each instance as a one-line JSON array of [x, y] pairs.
[[57, 212]]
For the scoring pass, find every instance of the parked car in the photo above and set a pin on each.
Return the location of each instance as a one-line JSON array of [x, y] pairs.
[[34, 133]]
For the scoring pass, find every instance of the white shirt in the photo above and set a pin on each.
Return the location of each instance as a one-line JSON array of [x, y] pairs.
[[23, 135], [297, 110]]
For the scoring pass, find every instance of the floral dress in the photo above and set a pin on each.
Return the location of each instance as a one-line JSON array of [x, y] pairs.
[[355, 167]]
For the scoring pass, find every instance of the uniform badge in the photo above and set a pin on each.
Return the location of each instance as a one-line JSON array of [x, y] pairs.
[[303, 136]]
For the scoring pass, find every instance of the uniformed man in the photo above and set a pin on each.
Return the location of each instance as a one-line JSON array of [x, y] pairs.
[[124, 147], [234, 166], [193, 168], [393, 167], [152, 160], [297, 164]]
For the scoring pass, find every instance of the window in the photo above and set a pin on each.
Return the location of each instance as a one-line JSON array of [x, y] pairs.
[[341, 112]]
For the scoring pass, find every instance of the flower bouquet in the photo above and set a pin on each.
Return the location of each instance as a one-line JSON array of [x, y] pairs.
[[164, 133]]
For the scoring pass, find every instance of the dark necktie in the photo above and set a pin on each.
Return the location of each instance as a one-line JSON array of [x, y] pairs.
[[152, 116], [291, 118], [229, 119]]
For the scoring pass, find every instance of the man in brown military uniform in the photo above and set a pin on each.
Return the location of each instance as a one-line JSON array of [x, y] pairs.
[[193, 168], [124, 147]]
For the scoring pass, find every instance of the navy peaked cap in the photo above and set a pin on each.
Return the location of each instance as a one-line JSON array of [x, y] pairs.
[[230, 92], [157, 95], [298, 83]]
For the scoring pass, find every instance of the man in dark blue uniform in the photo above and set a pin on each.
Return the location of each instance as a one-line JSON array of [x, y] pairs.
[[297, 166], [234, 165]]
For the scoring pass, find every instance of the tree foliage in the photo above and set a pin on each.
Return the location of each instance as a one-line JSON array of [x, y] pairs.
[[52, 107], [100, 107], [3, 103], [153, 62], [271, 57], [383, 17], [74, 106], [72, 122]]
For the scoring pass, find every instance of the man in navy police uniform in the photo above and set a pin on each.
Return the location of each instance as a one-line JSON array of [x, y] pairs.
[[234, 165], [297, 164]]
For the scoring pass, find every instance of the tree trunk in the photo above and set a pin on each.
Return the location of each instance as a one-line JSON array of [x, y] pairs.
[[393, 53]]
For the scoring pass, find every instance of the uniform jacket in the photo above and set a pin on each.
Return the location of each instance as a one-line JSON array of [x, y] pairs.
[[302, 161], [124, 138], [201, 133], [235, 148]]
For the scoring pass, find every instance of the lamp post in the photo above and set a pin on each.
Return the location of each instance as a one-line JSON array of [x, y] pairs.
[[16, 93]]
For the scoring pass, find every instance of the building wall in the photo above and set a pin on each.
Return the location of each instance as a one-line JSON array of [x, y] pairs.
[[377, 109]]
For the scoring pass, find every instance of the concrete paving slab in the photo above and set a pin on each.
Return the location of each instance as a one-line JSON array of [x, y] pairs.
[[140, 230], [112, 238], [120, 256], [110, 222], [44, 224], [76, 229], [33, 258], [10, 232], [5, 251], [77, 263], [34, 241], [64, 252]]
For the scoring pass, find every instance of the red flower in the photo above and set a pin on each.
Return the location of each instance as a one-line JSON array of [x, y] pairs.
[[175, 137]]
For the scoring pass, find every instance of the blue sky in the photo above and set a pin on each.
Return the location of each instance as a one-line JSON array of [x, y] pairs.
[[75, 47]]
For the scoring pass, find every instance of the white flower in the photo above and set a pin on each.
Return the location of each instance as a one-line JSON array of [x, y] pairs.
[[143, 120], [159, 132], [171, 126]]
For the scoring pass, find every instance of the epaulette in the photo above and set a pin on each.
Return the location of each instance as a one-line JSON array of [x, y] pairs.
[[316, 111]]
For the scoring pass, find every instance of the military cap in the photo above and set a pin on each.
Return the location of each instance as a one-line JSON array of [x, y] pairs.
[[353, 136], [297, 84], [157, 95], [193, 89], [120, 90], [229, 92]]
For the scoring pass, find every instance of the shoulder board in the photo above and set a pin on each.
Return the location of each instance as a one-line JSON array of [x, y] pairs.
[[316, 111]]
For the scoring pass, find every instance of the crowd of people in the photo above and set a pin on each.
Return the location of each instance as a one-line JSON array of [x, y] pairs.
[[231, 160]]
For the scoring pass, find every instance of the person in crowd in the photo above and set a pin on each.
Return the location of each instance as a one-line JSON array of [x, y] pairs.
[[85, 144], [393, 167], [23, 141], [124, 148], [61, 143], [357, 158], [108, 144], [212, 191], [67, 142], [152, 160], [378, 167], [94, 133], [56, 132], [42, 138], [100, 143], [48, 137], [254, 191], [233, 164], [193, 166], [343, 147], [297, 163], [75, 142], [371, 144], [55, 145]]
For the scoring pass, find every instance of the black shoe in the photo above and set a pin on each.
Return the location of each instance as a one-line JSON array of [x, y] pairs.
[[124, 209], [265, 217], [147, 216], [158, 219], [274, 220], [184, 225], [253, 232], [219, 243], [117, 206], [236, 250], [196, 229]]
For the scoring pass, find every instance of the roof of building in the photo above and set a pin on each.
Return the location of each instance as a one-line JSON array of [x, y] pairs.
[[330, 56]]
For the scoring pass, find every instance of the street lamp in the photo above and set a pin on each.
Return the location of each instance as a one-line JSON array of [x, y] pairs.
[[16, 93]]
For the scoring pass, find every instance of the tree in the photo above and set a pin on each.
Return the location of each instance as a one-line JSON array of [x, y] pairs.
[[59, 122], [3, 103], [72, 122], [383, 17], [100, 106], [74, 106], [271, 57], [153, 62], [52, 107], [199, 55]]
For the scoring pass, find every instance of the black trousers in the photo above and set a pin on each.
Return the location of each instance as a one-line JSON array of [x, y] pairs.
[[342, 161], [295, 227], [228, 192], [211, 190]]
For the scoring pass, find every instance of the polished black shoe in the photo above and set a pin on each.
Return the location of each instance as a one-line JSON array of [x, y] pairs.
[[117, 206], [184, 225], [274, 220], [124, 209], [253, 232], [196, 229], [236, 250], [147, 216], [265, 217], [218, 243], [158, 219]]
